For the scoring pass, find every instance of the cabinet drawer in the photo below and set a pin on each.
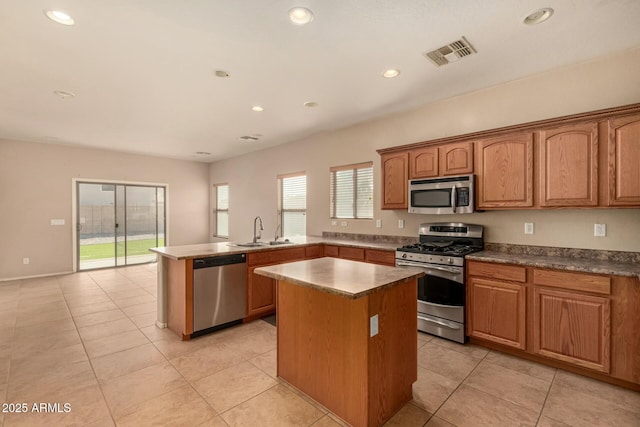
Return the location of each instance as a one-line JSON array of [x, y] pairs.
[[356, 254], [332, 251], [276, 256], [574, 281], [381, 257], [313, 251], [513, 273]]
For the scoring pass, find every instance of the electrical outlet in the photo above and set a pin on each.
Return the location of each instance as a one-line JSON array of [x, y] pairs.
[[401, 223], [378, 223], [373, 326], [528, 228], [57, 222], [343, 223], [25, 261], [600, 230], [334, 222]]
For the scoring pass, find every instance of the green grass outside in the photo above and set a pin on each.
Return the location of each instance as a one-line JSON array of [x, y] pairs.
[[107, 250]]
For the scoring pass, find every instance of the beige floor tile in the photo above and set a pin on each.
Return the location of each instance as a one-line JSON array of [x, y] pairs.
[[6, 348], [326, 421], [47, 385], [180, 407], [254, 344], [124, 362], [432, 389], [133, 291], [470, 407], [81, 301], [30, 319], [5, 363], [173, 346], [267, 362], [28, 346], [124, 393], [438, 422], [145, 319], [627, 399], [44, 329], [277, 406], [128, 302], [87, 408], [509, 385], [134, 310], [469, 349], [521, 365], [49, 360], [157, 334], [42, 305], [232, 386], [576, 408], [548, 422], [98, 317], [206, 361], [446, 362], [107, 329], [92, 308], [409, 416], [115, 343]]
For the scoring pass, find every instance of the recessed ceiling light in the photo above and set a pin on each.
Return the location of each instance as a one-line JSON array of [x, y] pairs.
[[311, 104], [222, 74], [391, 73], [64, 95], [59, 17], [300, 15], [257, 108], [539, 16]]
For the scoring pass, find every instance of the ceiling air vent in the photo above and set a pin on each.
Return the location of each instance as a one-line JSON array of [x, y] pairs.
[[451, 52], [249, 138]]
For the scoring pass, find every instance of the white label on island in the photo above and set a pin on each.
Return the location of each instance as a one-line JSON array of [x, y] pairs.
[[373, 326]]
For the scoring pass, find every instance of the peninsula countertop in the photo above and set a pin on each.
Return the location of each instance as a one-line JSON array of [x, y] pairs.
[[227, 248], [349, 279]]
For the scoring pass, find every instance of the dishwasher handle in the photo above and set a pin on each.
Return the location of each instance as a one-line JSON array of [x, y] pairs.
[[216, 261]]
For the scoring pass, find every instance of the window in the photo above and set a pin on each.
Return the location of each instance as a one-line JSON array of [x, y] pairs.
[[221, 210], [292, 204], [352, 191]]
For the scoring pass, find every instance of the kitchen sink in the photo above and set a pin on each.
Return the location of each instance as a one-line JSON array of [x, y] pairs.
[[248, 244], [280, 242]]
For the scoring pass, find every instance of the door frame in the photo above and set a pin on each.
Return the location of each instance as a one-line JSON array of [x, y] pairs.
[[74, 208]]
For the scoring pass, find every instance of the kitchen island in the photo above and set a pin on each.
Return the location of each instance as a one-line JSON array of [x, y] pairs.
[[347, 335]]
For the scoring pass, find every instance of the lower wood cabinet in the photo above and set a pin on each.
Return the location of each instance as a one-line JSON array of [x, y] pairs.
[[572, 327], [261, 298], [498, 311]]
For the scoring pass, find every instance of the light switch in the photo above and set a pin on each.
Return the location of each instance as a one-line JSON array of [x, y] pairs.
[[378, 223], [334, 222], [401, 223], [600, 230], [373, 326], [57, 222], [343, 223], [528, 228]]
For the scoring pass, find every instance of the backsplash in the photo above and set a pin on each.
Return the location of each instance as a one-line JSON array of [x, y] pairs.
[[616, 256], [372, 238]]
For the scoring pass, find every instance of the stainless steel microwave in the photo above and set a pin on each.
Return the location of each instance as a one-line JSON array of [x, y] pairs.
[[445, 195]]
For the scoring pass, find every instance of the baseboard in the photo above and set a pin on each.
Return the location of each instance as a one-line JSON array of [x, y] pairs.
[[36, 276]]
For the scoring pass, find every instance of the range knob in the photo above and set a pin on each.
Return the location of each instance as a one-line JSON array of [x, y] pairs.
[[450, 261], [404, 255]]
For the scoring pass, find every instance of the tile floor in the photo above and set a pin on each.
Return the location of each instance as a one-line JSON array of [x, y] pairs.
[[89, 340]]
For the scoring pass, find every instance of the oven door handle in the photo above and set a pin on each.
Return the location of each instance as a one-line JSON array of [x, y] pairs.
[[446, 324], [454, 197], [440, 305], [400, 263]]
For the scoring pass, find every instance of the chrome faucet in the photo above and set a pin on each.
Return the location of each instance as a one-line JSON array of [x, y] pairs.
[[257, 234], [275, 238]]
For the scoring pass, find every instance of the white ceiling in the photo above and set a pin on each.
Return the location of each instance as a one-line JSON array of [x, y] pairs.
[[142, 70]]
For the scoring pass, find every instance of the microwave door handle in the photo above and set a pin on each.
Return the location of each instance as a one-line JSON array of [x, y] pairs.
[[454, 196]]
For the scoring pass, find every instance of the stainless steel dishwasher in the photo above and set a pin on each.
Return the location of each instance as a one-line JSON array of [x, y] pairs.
[[219, 291]]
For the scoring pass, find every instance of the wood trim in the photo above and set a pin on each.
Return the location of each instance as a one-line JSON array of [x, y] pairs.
[[291, 175], [350, 167], [529, 126], [625, 319], [573, 281]]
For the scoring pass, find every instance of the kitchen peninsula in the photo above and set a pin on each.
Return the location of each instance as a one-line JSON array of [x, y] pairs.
[[347, 335]]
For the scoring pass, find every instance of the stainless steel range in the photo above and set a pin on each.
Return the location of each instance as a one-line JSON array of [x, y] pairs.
[[441, 292]]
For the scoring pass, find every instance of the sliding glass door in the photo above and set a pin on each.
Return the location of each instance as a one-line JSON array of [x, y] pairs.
[[118, 223]]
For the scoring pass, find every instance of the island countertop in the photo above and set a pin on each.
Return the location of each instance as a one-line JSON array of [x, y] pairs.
[[349, 279]]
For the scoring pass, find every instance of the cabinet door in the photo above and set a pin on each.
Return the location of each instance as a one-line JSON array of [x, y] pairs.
[[395, 180], [423, 162], [569, 165], [505, 172], [456, 159], [624, 161], [497, 311], [261, 294], [572, 327]]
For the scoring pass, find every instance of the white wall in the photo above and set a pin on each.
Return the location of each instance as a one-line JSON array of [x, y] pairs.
[[36, 186], [607, 82]]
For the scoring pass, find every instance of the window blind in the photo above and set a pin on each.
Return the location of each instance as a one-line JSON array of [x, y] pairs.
[[221, 228], [352, 191], [293, 205]]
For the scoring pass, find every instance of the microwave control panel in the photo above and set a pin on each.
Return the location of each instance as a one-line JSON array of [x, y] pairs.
[[463, 196]]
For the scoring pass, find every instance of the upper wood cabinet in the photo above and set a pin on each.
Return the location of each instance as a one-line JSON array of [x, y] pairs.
[[456, 159], [423, 162], [624, 161], [395, 180], [568, 173], [504, 171]]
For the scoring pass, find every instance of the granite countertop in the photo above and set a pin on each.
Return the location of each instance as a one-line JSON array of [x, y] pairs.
[[559, 262], [227, 248], [349, 279]]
